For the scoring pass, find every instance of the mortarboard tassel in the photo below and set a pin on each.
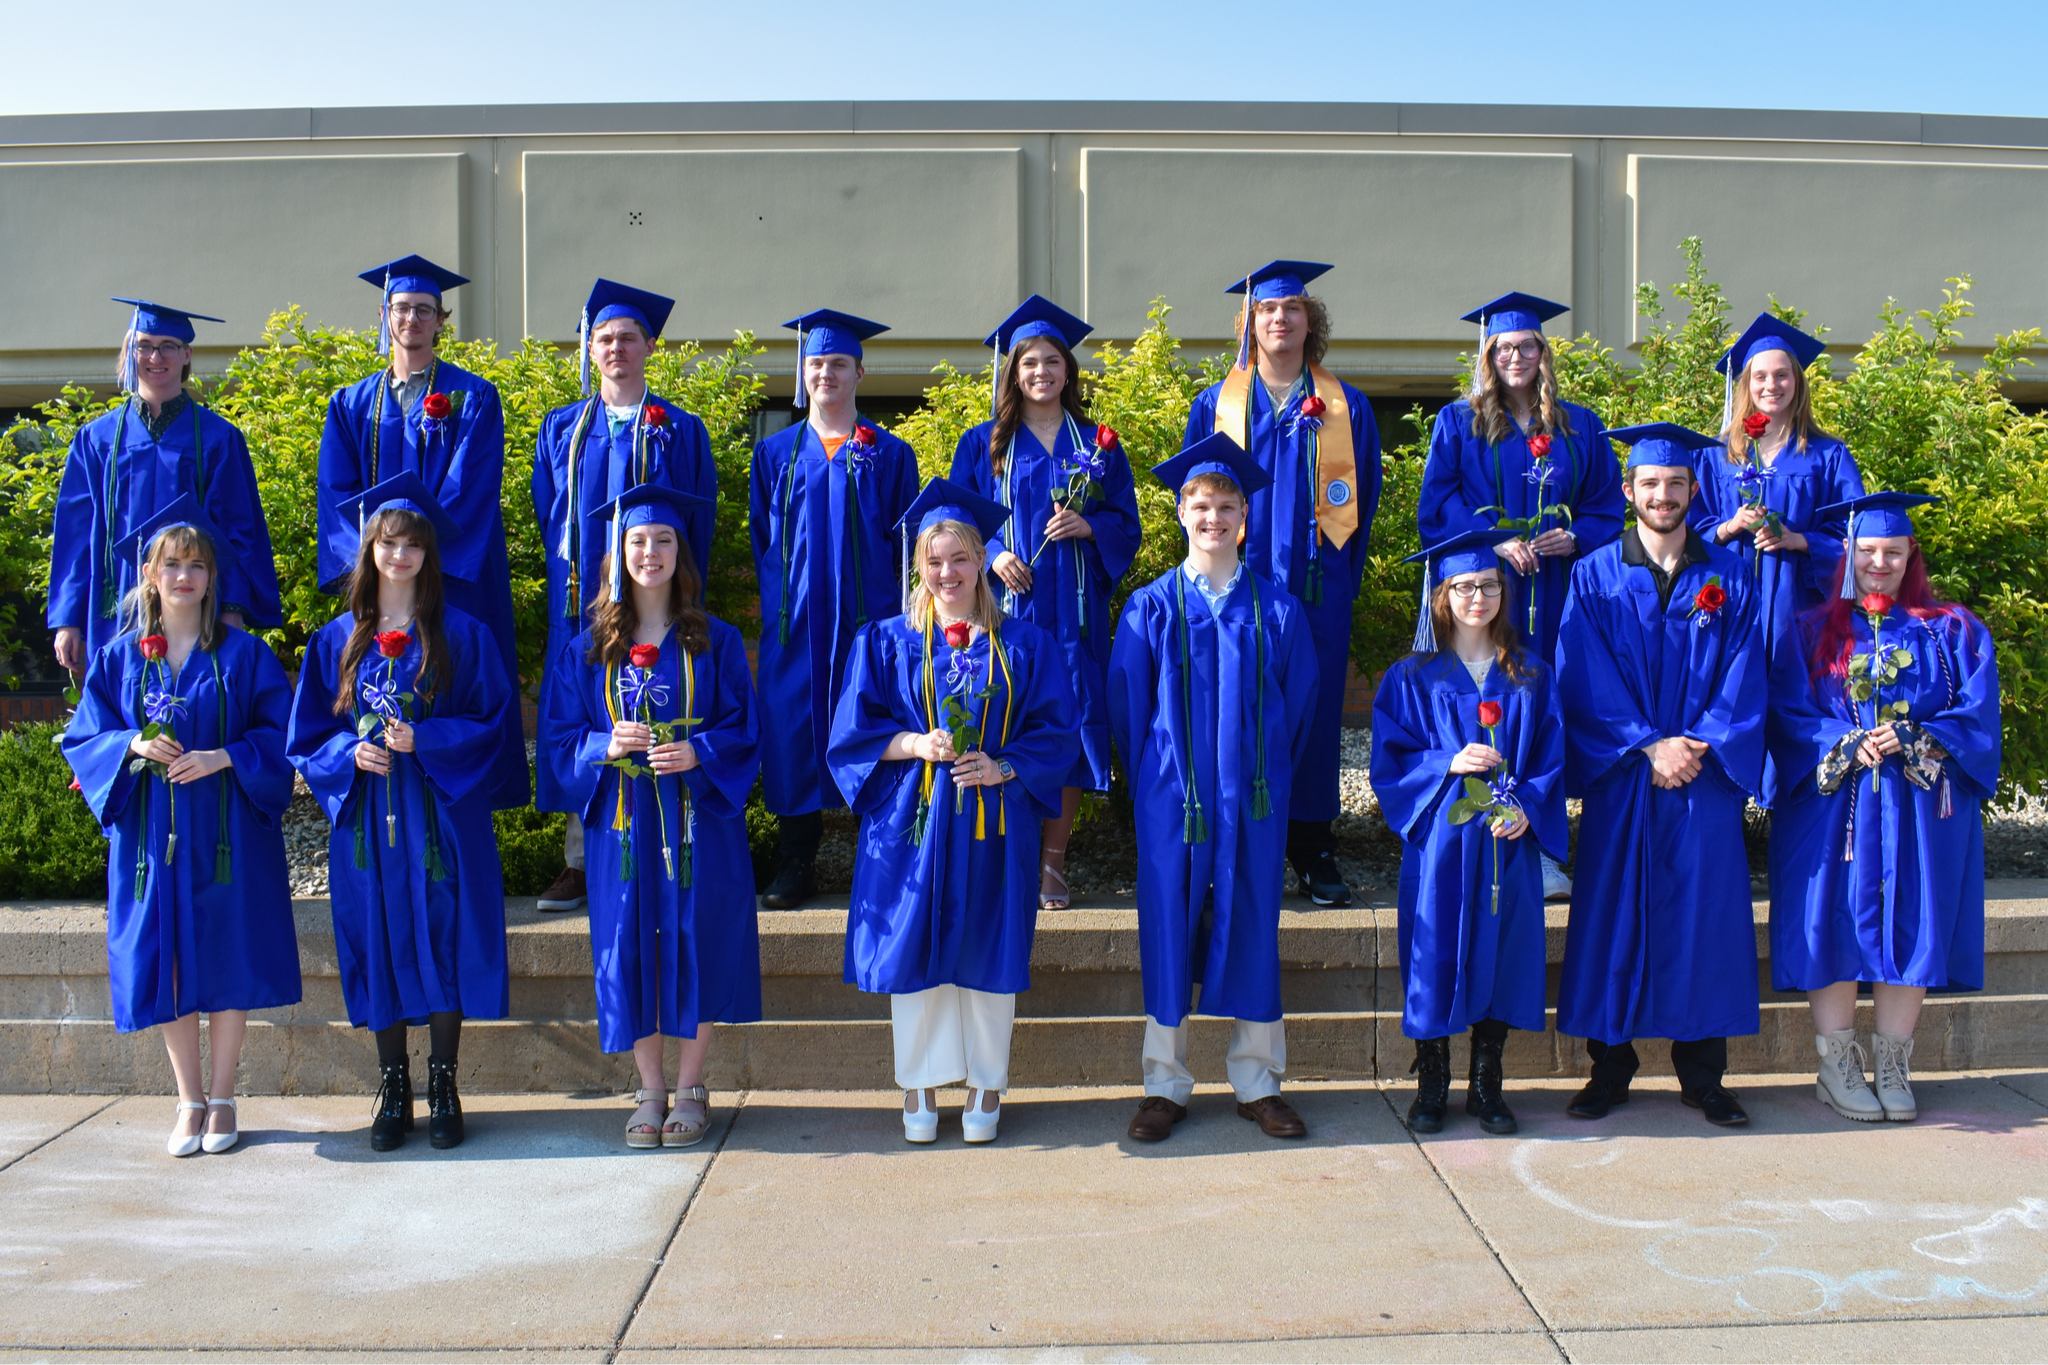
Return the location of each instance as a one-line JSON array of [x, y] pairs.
[[1425, 624], [124, 368], [1244, 340], [583, 350], [618, 575], [1849, 559], [384, 317], [1728, 396], [906, 565], [800, 401]]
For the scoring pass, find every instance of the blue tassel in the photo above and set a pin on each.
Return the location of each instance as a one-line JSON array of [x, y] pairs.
[[583, 350], [384, 318], [1425, 626], [802, 400], [1849, 560]]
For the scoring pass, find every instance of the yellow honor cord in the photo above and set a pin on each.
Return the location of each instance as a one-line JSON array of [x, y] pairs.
[[1335, 458], [611, 707]]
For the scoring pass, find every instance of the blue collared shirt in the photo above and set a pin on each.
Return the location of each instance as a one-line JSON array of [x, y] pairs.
[[1217, 598]]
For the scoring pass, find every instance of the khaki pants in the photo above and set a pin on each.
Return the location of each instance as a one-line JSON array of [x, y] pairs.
[[1255, 1063]]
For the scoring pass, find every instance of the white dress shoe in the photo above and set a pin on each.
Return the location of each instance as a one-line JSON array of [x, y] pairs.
[[1895, 1076], [220, 1142], [1556, 886], [1841, 1086], [180, 1144], [976, 1125], [920, 1124]]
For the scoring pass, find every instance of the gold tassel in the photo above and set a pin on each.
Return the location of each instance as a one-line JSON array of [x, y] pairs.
[[979, 819]]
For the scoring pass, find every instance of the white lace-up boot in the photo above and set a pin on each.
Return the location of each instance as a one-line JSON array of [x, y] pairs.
[[1842, 1086], [1895, 1076]]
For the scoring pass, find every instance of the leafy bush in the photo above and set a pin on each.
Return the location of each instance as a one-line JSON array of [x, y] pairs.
[[530, 848], [50, 846]]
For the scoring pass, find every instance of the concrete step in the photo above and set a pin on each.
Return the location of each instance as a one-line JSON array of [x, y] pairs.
[[1080, 1023]]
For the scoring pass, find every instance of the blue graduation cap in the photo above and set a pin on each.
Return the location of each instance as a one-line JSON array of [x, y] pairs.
[[1273, 280], [1514, 313], [157, 320], [826, 331], [402, 492], [184, 510], [1213, 454], [1035, 317], [1874, 514], [944, 500], [1466, 552], [406, 275], [608, 300], [1661, 443], [1769, 334], [648, 504]]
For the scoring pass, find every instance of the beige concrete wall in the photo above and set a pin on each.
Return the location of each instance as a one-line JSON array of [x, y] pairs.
[[937, 218]]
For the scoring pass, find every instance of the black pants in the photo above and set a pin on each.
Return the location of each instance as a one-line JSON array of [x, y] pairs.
[[1308, 840], [1485, 1031], [1699, 1062], [798, 836]]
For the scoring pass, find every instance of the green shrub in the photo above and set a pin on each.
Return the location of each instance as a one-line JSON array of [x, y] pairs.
[[530, 848], [50, 846]]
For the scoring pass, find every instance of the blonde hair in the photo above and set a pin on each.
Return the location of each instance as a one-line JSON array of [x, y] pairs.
[[143, 607], [1489, 410], [1799, 420], [1317, 343], [987, 612]]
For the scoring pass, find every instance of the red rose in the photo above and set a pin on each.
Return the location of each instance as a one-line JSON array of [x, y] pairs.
[[1713, 597], [391, 643], [1313, 406], [436, 405], [153, 646], [654, 415], [864, 435], [1489, 713], [1539, 446], [1753, 425], [644, 656], [958, 634], [1105, 436], [1876, 603]]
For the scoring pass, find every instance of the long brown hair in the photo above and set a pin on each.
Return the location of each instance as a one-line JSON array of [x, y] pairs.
[[1799, 421], [988, 612], [143, 607], [1010, 398], [1507, 641], [437, 665], [1318, 344], [612, 624], [1489, 408]]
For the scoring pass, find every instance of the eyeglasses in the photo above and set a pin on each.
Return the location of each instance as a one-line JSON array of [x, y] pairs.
[[1468, 591], [150, 350], [423, 311], [1528, 350]]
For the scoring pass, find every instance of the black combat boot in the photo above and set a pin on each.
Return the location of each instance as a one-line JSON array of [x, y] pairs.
[[392, 1118], [1483, 1099], [1432, 1067], [444, 1106]]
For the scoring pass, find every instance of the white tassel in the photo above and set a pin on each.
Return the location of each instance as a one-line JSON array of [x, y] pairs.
[[1425, 625], [801, 401], [384, 317], [1848, 593], [906, 567], [618, 572], [1244, 340], [124, 371], [583, 350]]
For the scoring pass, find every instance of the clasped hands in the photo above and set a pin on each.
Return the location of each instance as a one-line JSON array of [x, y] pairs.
[[375, 757], [1674, 760], [180, 765], [1752, 517], [631, 736], [1476, 760], [1522, 554], [1064, 524], [971, 769]]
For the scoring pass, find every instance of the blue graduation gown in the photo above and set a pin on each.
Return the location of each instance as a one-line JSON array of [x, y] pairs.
[[669, 955], [1661, 941], [1465, 473], [1798, 484], [1278, 547], [463, 462], [410, 945], [1465, 958], [676, 455], [1072, 581], [1237, 871], [192, 941], [116, 477], [1908, 908], [948, 908], [808, 539]]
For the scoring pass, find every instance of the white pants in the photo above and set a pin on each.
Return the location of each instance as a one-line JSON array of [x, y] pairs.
[[572, 843], [1255, 1063], [950, 1033]]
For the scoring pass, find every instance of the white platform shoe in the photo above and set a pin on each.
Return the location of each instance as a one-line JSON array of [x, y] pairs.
[[1841, 1085], [920, 1116], [977, 1125], [1895, 1076]]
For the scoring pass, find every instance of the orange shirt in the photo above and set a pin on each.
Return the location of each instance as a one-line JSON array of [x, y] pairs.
[[832, 444]]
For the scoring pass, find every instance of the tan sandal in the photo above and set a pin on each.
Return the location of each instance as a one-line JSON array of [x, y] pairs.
[[1058, 900], [643, 1132], [682, 1129]]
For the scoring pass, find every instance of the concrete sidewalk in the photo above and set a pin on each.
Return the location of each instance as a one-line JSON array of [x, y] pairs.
[[805, 1226]]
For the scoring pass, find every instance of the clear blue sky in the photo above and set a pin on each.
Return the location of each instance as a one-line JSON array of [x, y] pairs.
[[226, 54]]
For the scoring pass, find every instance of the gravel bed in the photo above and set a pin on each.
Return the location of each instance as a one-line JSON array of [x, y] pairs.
[[1102, 862]]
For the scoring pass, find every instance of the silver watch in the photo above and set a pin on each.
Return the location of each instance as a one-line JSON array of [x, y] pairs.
[[1003, 767]]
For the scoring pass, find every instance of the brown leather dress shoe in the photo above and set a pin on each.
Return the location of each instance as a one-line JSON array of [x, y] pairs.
[[1155, 1118], [1275, 1117], [568, 892]]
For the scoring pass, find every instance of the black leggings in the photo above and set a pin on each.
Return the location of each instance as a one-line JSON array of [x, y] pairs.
[[444, 1037]]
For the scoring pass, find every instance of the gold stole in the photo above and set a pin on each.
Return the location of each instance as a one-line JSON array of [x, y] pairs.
[[1336, 465]]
